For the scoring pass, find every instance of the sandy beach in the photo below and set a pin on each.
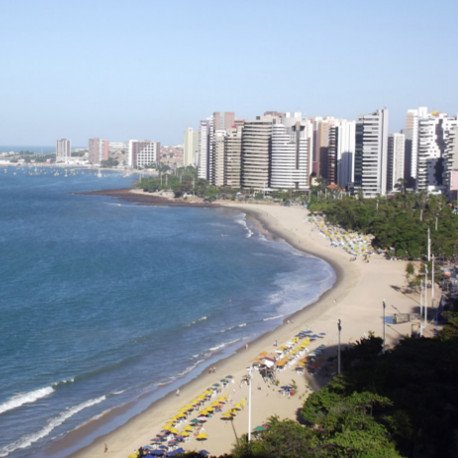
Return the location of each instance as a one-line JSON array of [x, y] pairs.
[[356, 299]]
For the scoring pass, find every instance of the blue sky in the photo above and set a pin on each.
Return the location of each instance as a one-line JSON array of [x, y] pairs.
[[151, 68]]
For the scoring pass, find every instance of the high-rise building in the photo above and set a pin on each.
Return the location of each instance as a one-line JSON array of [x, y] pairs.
[[451, 159], [291, 155], [371, 153], [395, 166], [256, 138], [63, 150], [203, 162], [190, 146], [217, 175], [99, 150], [232, 157], [341, 154], [434, 132], [142, 153], [321, 146], [411, 146]]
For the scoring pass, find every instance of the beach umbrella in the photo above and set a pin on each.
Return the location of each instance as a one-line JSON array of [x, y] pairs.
[[194, 421], [178, 451], [202, 437], [203, 452]]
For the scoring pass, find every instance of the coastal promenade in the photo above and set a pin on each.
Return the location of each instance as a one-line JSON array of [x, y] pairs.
[[356, 299]]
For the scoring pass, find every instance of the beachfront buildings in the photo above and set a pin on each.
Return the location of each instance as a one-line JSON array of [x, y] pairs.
[[190, 146], [396, 156], [233, 157], [411, 147], [99, 150], [341, 154], [63, 150], [434, 137], [255, 161], [371, 151], [142, 153], [291, 158]]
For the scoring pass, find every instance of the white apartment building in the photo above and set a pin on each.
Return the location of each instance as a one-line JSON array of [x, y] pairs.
[[396, 155], [142, 153], [291, 155], [371, 153], [255, 168], [435, 133], [232, 157], [203, 162], [341, 153], [411, 133], [217, 175], [63, 150], [190, 146]]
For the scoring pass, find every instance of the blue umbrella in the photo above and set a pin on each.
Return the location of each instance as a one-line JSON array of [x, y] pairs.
[[204, 452]]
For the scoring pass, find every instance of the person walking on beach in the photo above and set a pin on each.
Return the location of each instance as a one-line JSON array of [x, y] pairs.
[[177, 392]]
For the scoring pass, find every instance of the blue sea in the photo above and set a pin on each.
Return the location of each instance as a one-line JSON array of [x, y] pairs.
[[107, 304]]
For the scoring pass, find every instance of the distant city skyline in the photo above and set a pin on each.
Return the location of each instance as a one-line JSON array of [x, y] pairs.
[[78, 70]]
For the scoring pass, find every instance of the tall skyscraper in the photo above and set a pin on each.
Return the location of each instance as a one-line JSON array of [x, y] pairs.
[[396, 153], [322, 127], [434, 131], [204, 130], [190, 146], [63, 150], [232, 157], [142, 153], [341, 153], [411, 146], [371, 153], [99, 150], [217, 175], [291, 154], [256, 138], [451, 163]]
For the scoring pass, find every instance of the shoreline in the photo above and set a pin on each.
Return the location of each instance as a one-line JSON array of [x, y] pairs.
[[282, 223]]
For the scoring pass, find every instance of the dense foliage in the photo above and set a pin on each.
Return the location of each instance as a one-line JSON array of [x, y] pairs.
[[183, 181], [403, 402], [399, 223]]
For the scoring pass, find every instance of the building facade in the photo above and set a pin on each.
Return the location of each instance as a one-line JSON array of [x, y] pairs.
[[99, 150], [255, 163], [63, 150], [396, 155], [371, 149], [232, 157], [142, 153], [291, 156]]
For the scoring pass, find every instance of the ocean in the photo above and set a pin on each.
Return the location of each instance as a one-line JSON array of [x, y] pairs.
[[106, 303]]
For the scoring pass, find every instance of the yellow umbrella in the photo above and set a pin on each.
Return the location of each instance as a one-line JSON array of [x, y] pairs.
[[202, 436]]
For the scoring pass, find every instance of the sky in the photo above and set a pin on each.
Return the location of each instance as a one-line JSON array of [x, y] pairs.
[[148, 69]]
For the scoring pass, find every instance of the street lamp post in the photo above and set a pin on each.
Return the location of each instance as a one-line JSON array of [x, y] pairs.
[[339, 328], [384, 323], [249, 402]]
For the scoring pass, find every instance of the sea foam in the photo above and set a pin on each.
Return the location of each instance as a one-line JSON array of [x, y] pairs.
[[53, 423], [20, 399]]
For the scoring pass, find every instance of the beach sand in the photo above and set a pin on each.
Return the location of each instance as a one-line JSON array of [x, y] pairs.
[[356, 299]]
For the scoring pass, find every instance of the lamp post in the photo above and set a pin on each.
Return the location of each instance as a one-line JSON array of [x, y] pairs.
[[249, 403], [384, 323], [339, 328]]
